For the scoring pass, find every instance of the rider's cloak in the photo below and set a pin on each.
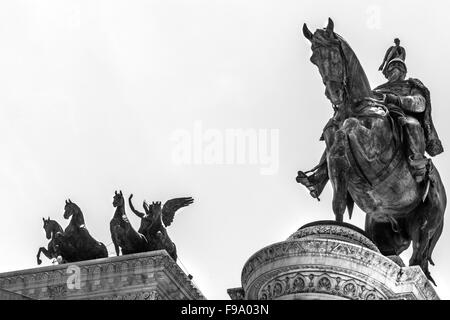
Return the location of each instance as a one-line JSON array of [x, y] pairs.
[[433, 143]]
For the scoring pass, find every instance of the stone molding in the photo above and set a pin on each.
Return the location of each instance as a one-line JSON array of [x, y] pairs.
[[337, 232], [143, 276]]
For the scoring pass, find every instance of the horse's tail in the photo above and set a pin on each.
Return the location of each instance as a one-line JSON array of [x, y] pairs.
[[433, 242]]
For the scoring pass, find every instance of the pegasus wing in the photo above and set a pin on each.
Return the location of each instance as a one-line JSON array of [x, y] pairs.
[[171, 206]]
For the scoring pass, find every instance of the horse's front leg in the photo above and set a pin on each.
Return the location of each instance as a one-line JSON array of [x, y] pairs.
[[45, 252], [317, 178], [338, 168], [38, 256]]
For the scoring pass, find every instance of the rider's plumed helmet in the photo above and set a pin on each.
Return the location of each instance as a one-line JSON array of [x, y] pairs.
[[396, 62]]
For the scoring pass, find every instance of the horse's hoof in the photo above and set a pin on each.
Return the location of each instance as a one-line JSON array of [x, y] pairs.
[[39, 262], [301, 178]]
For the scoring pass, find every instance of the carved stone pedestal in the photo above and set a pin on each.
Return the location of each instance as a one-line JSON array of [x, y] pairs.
[[142, 276], [327, 260]]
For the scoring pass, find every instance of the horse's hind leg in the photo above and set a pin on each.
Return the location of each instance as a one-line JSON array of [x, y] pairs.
[[390, 240], [317, 178]]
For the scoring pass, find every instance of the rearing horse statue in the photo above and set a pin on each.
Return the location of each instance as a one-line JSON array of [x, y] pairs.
[[78, 238], [366, 161], [52, 229]]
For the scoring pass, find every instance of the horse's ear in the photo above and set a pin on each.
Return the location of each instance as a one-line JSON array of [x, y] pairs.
[[115, 192], [67, 202], [330, 27], [121, 193], [48, 219], [308, 34], [43, 219], [70, 201]]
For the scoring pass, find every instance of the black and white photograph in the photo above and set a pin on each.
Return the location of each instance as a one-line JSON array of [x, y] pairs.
[[228, 150]]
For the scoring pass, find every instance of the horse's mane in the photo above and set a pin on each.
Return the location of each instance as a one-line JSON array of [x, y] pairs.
[[80, 216], [358, 85]]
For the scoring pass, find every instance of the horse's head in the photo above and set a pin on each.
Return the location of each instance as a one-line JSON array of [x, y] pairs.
[[70, 209], [118, 200], [327, 56], [51, 227], [341, 72], [47, 228]]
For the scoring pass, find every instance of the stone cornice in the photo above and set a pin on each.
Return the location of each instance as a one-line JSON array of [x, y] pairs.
[[136, 276]]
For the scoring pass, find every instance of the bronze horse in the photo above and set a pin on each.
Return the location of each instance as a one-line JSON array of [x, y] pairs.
[[52, 228], [76, 243], [123, 235], [366, 159]]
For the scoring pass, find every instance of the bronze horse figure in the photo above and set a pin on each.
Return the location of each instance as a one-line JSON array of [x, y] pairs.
[[123, 235], [52, 228], [76, 242], [155, 220], [366, 161]]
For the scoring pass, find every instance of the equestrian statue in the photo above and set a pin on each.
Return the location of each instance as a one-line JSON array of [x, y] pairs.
[[376, 145]]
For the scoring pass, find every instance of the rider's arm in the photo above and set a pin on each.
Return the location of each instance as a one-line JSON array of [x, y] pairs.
[[414, 102]]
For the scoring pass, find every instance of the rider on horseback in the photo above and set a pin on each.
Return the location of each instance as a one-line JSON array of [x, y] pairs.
[[408, 101]]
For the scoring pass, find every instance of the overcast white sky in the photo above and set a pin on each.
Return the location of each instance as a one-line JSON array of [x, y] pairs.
[[92, 91]]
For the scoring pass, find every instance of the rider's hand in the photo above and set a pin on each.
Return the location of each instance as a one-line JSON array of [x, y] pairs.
[[378, 96], [392, 98]]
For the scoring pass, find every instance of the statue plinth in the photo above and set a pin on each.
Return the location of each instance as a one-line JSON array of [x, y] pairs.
[[143, 276], [326, 260]]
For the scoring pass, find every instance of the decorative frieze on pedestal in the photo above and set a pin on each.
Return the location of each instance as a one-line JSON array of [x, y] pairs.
[[329, 260], [142, 276]]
